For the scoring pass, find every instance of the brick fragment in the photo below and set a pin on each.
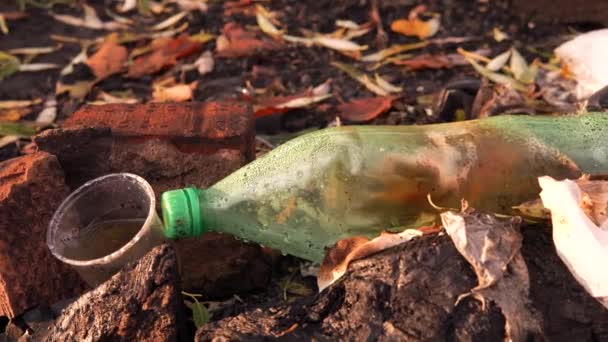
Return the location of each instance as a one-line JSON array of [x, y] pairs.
[[171, 146], [31, 188]]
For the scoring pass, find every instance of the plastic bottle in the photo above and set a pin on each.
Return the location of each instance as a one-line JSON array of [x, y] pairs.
[[360, 180]]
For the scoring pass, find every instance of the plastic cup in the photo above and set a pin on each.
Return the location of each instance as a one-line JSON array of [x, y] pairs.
[[105, 224]]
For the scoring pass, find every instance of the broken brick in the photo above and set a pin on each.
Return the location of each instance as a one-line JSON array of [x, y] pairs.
[[31, 188], [171, 146]]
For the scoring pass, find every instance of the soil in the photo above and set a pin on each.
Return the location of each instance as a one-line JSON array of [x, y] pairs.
[[293, 69]]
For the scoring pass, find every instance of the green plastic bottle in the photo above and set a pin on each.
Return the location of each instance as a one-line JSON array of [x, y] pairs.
[[360, 180]]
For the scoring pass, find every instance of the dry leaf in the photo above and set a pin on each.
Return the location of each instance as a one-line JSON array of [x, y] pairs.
[[192, 5], [386, 85], [90, 20], [172, 20], [413, 26], [165, 53], [499, 61], [174, 93], [365, 109], [282, 104], [350, 249], [338, 44], [425, 61], [109, 58], [393, 50], [492, 247], [204, 64], [264, 20], [499, 35], [10, 104], [237, 42], [14, 114], [362, 78]]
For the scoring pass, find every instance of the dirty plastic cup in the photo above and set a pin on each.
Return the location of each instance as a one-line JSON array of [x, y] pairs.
[[105, 224]]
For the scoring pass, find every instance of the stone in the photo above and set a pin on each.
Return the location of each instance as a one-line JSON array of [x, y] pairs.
[[171, 146], [411, 292], [142, 302], [31, 188]]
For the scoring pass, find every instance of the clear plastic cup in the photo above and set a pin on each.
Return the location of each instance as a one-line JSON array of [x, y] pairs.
[[104, 224]]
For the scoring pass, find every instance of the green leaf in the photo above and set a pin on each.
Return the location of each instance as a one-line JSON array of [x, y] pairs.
[[20, 129], [9, 65], [200, 314]]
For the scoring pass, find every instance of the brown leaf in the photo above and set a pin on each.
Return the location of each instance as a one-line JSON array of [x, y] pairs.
[[237, 42], [425, 61], [13, 114], [339, 256], [244, 7], [365, 109], [165, 52], [109, 58]]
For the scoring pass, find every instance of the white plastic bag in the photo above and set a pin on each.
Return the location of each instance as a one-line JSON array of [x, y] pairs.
[[581, 244]]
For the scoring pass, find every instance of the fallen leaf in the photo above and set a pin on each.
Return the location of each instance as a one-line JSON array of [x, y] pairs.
[[492, 246], [192, 5], [338, 44], [127, 6], [347, 24], [520, 68], [414, 26], [365, 109], [76, 90], [499, 35], [264, 22], [174, 93], [90, 20], [13, 114], [282, 104], [165, 53], [244, 7], [3, 26], [10, 104], [533, 209], [19, 129], [386, 85], [362, 78], [37, 66], [345, 251], [496, 77], [499, 61], [48, 114], [204, 64], [34, 50], [106, 98], [393, 50], [172, 20], [109, 59], [425, 61], [237, 42], [9, 65]]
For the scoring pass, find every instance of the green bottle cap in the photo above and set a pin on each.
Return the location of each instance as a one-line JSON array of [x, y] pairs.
[[181, 213]]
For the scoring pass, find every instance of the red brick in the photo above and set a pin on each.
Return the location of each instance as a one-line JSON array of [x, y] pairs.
[[218, 124], [31, 188], [171, 146]]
